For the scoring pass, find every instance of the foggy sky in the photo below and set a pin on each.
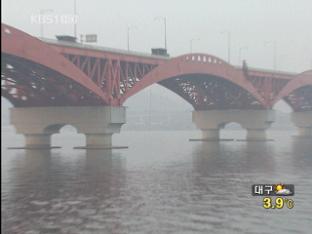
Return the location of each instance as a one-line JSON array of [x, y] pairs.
[[251, 23]]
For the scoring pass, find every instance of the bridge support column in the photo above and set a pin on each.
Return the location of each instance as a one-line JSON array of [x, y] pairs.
[[303, 121], [210, 134], [255, 121], [98, 123], [37, 140], [98, 140]]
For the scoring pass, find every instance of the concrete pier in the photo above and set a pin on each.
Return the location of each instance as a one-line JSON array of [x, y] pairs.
[[303, 121], [210, 134], [256, 122], [98, 123]]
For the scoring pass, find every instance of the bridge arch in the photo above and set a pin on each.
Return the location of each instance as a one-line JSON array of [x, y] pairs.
[[21, 51], [64, 131], [300, 82], [195, 64], [232, 126]]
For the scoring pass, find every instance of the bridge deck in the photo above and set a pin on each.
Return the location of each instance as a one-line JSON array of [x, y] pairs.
[[86, 47], [255, 72]]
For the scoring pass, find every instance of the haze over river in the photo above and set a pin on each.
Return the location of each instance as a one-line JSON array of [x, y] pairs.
[[162, 183]]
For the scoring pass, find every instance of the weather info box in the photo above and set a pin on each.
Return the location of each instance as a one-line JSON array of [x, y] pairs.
[[273, 190]]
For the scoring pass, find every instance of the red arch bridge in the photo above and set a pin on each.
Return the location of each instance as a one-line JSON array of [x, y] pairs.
[[52, 83]]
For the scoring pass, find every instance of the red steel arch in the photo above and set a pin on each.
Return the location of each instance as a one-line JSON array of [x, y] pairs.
[[195, 64], [20, 44], [108, 77], [301, 80]]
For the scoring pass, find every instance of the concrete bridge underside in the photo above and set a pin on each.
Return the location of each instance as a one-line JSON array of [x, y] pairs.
[[98, 124]]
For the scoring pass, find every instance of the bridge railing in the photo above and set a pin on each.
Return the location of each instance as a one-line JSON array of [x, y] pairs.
[[202, 58]]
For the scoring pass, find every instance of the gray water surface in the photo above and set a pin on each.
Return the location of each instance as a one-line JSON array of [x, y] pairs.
[[162, 184]]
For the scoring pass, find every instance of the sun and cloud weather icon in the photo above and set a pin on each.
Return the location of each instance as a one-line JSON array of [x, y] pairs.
[[281, 189]]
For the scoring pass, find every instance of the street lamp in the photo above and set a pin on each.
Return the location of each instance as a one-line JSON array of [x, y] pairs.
[[228, 34], [42, 13], [274, 44], [241, 49], [165, 27], [128, 36], [75, 14], [191, 43]]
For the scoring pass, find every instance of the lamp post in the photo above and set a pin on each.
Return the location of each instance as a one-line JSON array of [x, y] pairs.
[[191, 44], [42, 13], [128, 36], [241, 49], [165, 28], [274, 45], [75, 14], [228, 34]]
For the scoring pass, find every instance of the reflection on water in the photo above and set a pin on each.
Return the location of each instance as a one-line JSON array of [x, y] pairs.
[[161, 184]]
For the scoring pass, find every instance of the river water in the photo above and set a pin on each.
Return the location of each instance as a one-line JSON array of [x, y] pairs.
[[162, 183]]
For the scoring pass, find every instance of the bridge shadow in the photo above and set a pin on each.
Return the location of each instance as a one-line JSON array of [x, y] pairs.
[[49, 187], [225, 171], [301, 154], [213, 158]]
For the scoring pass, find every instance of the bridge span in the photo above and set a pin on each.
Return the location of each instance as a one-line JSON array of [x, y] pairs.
[[53, 83]]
